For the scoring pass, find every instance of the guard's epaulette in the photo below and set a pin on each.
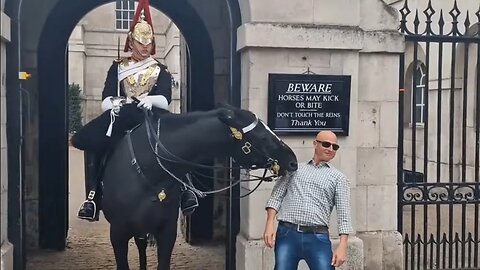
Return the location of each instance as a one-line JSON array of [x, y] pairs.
[[162, 66], [158, 61]]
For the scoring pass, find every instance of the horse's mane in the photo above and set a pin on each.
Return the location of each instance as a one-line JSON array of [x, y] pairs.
[[185, 118]]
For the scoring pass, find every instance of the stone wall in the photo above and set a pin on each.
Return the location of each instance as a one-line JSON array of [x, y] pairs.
[[356, 38], [6, 254]]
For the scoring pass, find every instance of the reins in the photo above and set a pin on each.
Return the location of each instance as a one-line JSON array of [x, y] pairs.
[[178, 160], [262, 179]]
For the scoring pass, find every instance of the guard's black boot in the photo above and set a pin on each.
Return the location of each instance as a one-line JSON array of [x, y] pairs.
[[188, 202], [89, 210]]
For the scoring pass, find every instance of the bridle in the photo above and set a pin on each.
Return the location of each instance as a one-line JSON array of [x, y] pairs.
[[239, 135]]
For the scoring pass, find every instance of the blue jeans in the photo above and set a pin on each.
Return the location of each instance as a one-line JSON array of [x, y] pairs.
[[292, 246]]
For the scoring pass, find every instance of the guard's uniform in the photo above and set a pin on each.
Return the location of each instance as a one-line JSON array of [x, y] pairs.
[[131, 80], [154, 80], [147, 81]]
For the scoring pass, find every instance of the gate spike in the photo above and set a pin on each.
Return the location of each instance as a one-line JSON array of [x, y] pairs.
[[456, 239], [469, 237], [478, 14], [406, 240], [444, 239], [419, 239], [466, 24], [454, 12], [404, 11], [441, 22], [416, 22], [431, 239], [429, 11]]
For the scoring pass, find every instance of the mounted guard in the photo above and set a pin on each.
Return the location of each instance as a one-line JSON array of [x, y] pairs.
[[132, 84]]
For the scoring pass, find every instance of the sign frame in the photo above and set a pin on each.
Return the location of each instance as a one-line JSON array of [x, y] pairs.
[[343, 92]]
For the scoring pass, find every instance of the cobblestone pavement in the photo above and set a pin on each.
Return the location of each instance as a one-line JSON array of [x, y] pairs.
[[88, 247], [88, 244]]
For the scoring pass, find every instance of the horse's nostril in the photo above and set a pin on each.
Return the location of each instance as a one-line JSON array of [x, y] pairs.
[[293, 165]]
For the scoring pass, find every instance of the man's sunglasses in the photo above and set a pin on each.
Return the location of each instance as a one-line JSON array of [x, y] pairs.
[[328, 144]]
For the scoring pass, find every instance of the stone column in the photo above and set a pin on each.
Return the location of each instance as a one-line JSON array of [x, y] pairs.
[[77, 57], [355, 38], [6, 259], [377, 125], [172, 60]]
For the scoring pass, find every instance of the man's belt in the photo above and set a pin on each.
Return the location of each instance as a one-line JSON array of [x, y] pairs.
[[305, 229]]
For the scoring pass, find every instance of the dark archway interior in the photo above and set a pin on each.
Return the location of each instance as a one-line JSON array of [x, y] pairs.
[[53, 167]]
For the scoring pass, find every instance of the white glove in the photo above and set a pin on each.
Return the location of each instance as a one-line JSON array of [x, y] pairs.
[[114, 103], [107, 103], [157, 101]]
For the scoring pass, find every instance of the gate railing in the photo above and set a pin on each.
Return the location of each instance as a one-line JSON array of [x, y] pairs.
[[439, 137], [437, 249]]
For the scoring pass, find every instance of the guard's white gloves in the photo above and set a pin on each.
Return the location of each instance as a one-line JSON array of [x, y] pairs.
[[113, 103], [107, 103], [157, 101]]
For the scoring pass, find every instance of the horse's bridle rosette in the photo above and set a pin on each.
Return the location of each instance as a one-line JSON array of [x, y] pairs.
[[236, 134]]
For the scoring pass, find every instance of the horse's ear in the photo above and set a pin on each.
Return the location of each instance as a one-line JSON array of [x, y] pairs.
[[227, 116]]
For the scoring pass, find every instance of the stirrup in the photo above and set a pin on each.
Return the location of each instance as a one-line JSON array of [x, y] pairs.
[[88, 211]]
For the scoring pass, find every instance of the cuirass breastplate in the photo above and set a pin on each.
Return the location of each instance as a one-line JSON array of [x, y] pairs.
[[141, 82]]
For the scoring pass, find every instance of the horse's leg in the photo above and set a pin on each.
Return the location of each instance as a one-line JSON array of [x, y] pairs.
[[141, 243], [165, 238], [119, 237]]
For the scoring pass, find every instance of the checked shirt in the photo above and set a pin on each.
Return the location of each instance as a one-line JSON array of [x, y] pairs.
[[307, 197]]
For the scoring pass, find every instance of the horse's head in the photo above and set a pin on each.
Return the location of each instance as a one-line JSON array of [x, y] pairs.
[[255, 145]]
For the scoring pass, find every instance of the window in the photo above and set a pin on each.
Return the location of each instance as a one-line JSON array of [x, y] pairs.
[[124, 12], [418, 95], [410, 177]]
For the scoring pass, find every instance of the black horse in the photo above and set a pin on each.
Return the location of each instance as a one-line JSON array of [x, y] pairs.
[[141, 194]]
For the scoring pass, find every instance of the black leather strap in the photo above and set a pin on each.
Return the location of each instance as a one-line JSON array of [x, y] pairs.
[[305, 229], [133, 159]]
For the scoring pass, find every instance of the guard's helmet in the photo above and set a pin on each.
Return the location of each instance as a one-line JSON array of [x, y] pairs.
[[141, 29]]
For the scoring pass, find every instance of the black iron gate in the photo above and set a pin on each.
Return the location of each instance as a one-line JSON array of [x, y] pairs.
[[439, 136]]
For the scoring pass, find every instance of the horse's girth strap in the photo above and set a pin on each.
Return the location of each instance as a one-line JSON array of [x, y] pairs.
[[132, 155]]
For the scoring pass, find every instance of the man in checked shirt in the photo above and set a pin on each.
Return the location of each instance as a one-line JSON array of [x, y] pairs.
[[303, 202]]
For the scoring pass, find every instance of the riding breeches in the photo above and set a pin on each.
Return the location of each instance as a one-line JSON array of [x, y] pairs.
[[92, 136]]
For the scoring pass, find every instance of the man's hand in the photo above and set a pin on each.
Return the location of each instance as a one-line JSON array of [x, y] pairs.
[[269, 234], [340, 255]]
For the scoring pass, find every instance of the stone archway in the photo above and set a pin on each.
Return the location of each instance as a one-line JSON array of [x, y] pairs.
[[51, 95], [45, 31]]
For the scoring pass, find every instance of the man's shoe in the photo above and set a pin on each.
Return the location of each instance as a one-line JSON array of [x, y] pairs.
[[88, 211], [188, 202]]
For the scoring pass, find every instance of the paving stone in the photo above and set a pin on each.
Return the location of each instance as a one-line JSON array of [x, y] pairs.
[[88, 248], [88, 244]]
